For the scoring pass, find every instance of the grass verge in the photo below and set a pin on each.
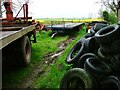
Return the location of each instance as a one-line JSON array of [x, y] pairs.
[[53, 75], [44, 45]]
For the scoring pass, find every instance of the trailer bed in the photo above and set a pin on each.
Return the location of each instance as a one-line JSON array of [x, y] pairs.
[[6, 37], [67, 25], [62, 28]]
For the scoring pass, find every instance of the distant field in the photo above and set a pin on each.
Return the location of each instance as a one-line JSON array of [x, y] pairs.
[[59, 21]]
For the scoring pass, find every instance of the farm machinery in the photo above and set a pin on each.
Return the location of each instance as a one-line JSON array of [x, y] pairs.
[[16, 32]]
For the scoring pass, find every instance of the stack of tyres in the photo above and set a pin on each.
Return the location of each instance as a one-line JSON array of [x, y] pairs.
[[109, 41], [82, 47], [96, 60], [94, 29]]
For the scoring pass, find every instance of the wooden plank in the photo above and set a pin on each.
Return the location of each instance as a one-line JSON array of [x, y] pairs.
[[6, 37]]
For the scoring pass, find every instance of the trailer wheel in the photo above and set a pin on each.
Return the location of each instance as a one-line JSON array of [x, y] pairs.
[[25, 51], [76, 79]]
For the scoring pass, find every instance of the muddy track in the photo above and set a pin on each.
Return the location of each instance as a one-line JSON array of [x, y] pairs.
[[41, 67]]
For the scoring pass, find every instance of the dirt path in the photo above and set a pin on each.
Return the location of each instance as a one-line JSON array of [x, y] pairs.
[[41, 67]]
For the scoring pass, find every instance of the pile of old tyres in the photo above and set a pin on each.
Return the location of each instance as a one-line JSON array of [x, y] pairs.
[[96, 61]]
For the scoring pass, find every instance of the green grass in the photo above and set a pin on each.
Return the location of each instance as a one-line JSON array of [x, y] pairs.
[[52, 78], [44, 46]]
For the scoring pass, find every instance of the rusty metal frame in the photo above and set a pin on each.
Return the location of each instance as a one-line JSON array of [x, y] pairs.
[[9, 36]]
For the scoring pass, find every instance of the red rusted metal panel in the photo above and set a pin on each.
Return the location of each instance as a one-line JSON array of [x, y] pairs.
[[9, 13]]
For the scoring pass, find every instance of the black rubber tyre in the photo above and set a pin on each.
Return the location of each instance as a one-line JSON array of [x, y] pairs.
[[116, 63], [77, 50], [97, 68], [99, 26], [104, 57], [92, 31], [88, 35], [107, 34], [83, 58], [76, 79], [24, 52], [91, 45], [110, 83], [112, 48]]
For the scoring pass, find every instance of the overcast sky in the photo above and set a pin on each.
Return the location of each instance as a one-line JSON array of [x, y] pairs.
[[63, 8]]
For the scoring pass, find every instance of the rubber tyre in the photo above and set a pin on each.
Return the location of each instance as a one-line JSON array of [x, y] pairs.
[[83, 58], [116, 63], [79, 46], [92, 31], [104, 57], [112, 48], [24, 51], [88, 35], [99, 26], [97, 68], [110, 83], [107, 34], [91, 45], [76, 79]]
